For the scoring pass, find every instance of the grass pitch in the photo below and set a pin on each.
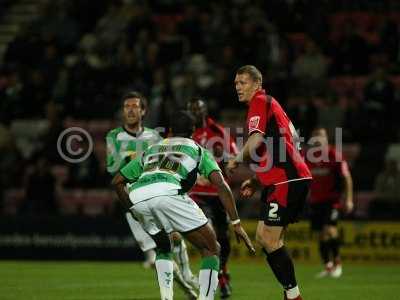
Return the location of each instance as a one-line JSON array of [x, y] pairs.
[[129, 281]]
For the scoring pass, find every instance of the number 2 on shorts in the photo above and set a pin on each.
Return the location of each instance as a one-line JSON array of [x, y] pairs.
[[273, 208]]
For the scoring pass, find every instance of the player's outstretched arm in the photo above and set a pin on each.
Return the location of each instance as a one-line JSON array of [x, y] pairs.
[[118, 183], [226, 197]]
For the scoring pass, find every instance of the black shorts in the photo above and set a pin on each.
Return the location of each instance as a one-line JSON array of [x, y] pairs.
[[282, 204], [322, 214], [215, 211]]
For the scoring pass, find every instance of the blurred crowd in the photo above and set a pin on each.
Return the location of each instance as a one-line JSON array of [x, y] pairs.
[[330, 63]]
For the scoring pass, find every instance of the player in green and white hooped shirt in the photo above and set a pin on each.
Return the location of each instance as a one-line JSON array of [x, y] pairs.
[[125, 143], [158, 183]]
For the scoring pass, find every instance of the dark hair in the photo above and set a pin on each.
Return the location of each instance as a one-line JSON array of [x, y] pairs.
[[181, 123], [134, 94], [254, 73]]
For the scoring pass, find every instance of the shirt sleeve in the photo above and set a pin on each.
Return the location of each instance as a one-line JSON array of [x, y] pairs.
[[112, 157], [207, 164], [156, 138], [257, 116], [133, 170]]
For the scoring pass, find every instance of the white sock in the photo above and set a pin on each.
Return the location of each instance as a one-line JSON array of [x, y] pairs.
[[208, 280], [182, 259], [293, 293], [165, 278]]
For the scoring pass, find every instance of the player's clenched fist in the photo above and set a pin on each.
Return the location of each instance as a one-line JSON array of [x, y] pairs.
[[248, 187]]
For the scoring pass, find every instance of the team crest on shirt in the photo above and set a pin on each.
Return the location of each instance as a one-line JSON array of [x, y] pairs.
[[253, 122]]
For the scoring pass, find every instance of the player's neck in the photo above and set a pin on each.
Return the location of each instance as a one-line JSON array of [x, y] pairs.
[[252, 96], [133, 128]]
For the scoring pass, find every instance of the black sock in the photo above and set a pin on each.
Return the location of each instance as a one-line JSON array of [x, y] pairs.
[[335, 246], [282, 267], [223, 240], [324, 247]]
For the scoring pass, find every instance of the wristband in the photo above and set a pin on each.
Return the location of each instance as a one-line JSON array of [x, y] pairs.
[[234, 222]]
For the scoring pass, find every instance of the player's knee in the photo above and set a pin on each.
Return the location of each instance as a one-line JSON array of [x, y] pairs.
[[333, 231], [328, 232], [212, 248], [269, 243], [176, 238]]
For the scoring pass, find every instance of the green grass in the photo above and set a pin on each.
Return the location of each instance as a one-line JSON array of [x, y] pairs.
[[129, 281]]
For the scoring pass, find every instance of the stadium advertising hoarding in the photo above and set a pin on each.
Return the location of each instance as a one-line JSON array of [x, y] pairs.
[[103, 238], [363, 242], [67, 238]]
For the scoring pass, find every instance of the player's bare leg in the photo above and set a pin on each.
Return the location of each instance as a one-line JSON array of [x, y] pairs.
[[271, 238], [205, 240], [182, 259]]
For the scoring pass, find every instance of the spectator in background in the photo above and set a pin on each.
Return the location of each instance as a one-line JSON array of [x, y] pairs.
[[86, 174], [110, 26], [379, 91], [11, 94], [390, 40], [303, 113], [331, 115], [376, 113], [387, 190], [11, 159], [35, 94], [350, 53], [310, 68], [40, 189]]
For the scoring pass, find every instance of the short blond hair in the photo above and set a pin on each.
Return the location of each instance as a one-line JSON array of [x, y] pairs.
[[253, 72]]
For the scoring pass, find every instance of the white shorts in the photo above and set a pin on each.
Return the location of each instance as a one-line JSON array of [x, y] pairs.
[[169, 213]]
